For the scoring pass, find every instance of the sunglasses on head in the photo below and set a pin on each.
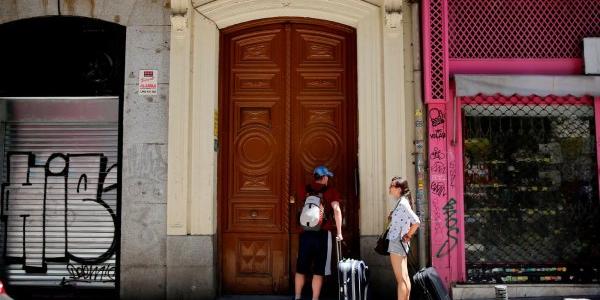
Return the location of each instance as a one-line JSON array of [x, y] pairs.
[[395, 182]]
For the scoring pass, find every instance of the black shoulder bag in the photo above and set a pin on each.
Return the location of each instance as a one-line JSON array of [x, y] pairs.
[[382, 242]]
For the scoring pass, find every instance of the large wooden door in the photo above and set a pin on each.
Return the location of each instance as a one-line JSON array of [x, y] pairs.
[[287, 104]]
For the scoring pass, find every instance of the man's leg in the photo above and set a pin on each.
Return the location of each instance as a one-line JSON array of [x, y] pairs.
[[299, 281], [317, 283], [323, 263]]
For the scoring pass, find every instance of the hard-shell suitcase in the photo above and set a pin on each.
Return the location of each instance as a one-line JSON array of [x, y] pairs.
[[428, 285], [353, 277]]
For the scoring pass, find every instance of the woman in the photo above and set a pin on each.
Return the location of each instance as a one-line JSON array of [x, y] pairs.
[[404, 223]]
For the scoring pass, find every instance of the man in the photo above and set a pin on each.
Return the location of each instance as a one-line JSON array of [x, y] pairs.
[[314, 253]]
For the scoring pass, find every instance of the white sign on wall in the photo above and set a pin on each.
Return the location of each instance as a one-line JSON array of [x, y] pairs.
[[148, 83], [591, 55]]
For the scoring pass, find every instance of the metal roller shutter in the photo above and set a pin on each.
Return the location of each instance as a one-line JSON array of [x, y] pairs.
[[59, 191]]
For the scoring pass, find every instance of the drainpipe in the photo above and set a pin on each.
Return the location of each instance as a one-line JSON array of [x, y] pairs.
[[419, 133]]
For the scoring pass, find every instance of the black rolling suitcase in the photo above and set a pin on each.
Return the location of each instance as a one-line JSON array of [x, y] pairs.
[[427, 284], [353, 277]]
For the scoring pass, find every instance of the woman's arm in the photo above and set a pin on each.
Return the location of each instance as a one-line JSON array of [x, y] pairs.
[[411, 232]]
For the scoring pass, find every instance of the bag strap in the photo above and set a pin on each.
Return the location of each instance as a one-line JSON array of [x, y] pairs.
[[417, 280], [397, 204], [406, 252]]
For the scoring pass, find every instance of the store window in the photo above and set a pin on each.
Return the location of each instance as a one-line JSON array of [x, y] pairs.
[[531, 193]]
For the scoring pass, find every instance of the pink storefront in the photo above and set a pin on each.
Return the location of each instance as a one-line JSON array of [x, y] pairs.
[[513, 132]]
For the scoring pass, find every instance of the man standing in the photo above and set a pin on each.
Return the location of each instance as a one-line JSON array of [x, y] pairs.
[[314, 253]]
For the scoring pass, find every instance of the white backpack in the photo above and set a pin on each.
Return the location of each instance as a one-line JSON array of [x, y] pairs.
[[313, 213]]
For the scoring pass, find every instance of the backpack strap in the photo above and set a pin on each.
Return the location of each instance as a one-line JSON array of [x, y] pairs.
[[328, 212]]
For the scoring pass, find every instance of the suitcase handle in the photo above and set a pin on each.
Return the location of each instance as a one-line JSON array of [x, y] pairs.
[[338, 248], [415, 278]]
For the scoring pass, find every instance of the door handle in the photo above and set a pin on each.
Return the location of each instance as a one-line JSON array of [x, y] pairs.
[[292, 199], [356, 182]]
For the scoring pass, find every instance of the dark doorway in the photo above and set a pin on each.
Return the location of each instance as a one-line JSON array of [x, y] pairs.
[[61, 56]]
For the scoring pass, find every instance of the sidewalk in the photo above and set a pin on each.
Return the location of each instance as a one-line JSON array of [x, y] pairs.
[[270, 297], [262, 297]]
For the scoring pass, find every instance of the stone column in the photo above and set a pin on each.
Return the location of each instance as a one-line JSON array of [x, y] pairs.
[[179, 107]]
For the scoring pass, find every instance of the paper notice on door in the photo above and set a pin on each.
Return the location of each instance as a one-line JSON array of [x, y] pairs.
[[148, 83]]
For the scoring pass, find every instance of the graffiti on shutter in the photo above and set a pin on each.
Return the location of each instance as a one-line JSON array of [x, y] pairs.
[[59, 201]]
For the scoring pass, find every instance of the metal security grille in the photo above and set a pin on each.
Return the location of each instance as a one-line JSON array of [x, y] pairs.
[[531, 193], [521, 29], [437, 66], [59, 194]]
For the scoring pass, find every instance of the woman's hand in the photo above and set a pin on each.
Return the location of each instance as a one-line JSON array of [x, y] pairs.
[[406, 238]]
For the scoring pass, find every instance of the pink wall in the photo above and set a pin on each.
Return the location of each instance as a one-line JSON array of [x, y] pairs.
[[446, 211], [441, 243], [445, 194], [563, 66]]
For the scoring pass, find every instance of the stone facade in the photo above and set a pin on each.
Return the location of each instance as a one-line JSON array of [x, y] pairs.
[[157, 261]]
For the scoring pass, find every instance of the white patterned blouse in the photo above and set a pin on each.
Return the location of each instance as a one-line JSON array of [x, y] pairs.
[[402, 217]]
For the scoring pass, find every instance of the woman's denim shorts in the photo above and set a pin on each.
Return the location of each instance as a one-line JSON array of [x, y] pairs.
[[396, 248]]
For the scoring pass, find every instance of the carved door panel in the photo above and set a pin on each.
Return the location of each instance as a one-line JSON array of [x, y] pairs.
[[323, 99], [287, 103]]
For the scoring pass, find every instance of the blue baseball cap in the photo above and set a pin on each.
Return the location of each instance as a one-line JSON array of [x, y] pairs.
[[322, 171]]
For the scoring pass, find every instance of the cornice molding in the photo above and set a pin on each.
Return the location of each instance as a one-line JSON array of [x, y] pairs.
[[225, 13], [393, 20], [180, 7], [393, 13], [179, 25]]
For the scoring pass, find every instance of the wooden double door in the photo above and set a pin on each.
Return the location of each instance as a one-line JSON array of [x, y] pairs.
[[287, 104]]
